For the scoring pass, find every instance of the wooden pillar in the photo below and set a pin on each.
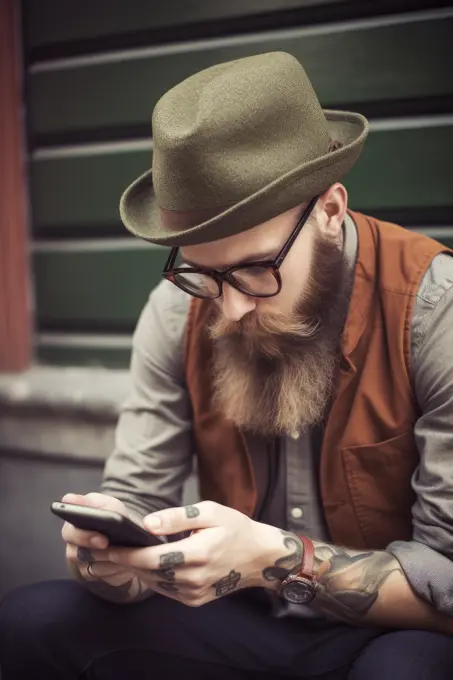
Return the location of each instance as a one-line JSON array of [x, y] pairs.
[[15, 308]]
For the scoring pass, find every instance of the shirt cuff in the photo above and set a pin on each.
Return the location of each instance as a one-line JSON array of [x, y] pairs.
[[429, 573]]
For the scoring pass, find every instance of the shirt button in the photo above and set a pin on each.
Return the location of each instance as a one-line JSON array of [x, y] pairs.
[[297, 513]]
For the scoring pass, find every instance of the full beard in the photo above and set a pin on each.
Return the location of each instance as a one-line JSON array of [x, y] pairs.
[[274, 374]]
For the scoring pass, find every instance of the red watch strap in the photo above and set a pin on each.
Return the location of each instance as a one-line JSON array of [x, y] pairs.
[[308, 558]]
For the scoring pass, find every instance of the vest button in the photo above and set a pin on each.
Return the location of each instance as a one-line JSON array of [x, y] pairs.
[[297, 513]]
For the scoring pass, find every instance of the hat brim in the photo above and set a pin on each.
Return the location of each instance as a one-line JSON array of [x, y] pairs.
[[142, 217]]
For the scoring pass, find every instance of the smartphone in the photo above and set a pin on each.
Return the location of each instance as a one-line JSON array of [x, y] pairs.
[[120, 530]]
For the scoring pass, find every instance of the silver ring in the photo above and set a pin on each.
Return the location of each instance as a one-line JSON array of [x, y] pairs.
[[89, 565]]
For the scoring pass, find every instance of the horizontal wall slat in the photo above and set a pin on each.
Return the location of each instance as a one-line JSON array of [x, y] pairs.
[[94, 290], [347, 67], [82, 193], [82, 356], [404, 169], [399, 169], [58, 21]]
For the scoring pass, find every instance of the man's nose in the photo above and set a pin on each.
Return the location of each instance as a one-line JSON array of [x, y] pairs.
[[235, 304]]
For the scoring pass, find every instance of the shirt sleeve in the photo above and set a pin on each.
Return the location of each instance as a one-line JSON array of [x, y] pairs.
[[153, 444], [427, 559]]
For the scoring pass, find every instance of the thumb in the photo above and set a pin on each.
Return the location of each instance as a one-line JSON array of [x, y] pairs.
[[189, 518]]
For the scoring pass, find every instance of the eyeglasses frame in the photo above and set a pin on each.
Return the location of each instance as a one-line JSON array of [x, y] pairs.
[[170, 272]]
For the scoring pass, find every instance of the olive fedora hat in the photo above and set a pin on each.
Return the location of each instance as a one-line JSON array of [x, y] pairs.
[[234, 146]]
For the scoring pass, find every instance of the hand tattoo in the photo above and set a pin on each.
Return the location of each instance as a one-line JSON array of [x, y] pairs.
[[166, 574], [167, 562], [286, 564], [227, 584], [171, 559], [85, 555], [191, 511]]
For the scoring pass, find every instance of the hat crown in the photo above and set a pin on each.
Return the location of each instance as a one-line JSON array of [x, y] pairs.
[[232, 129]]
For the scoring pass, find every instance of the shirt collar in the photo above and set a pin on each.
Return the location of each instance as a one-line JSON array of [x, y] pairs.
[[350, 241]]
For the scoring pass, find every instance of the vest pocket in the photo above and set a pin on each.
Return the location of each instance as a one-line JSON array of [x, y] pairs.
[[379, 481]]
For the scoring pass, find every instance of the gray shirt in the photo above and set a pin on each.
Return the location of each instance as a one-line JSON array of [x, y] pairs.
[[154, 448]]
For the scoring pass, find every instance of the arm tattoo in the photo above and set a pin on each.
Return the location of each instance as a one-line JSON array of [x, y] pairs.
[[117, 594], [227, 584], [286, 564], [84, 555], [191, 511], [129, 592], [349, 581], [133, 590]]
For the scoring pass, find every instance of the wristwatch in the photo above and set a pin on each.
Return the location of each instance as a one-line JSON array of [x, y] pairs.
[[300, 586]]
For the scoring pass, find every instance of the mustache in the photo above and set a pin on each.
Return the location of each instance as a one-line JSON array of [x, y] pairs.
[[270, 334]]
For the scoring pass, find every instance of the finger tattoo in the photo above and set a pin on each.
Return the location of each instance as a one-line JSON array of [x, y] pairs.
[[171, 560], [84, 555], [191, 511], [167, 574]]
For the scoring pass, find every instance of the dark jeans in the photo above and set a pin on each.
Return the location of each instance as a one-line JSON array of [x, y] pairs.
[[58, 630]]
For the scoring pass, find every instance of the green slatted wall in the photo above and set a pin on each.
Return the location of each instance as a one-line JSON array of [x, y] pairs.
[[94, 72]]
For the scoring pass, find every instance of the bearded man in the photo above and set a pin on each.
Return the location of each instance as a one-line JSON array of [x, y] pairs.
[[304, 352]]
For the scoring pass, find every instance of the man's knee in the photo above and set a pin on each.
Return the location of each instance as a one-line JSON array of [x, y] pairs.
[[36, 608], [414, 654]]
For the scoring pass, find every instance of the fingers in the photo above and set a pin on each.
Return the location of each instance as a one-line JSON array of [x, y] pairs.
[[103, 570], [104, 573], [190, 551], [195, 550], [85, 539], [77, 498], [191, 586], [78, 554], [174, 520], [184, 584], [93, 565], [93, 568], [96, 500]]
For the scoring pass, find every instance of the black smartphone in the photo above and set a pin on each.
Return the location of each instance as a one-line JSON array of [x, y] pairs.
[[120, 530]]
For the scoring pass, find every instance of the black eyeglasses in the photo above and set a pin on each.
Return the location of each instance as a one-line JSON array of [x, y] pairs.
[[260, 279]]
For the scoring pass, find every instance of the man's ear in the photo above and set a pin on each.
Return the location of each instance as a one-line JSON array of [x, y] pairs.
[[334, 203]]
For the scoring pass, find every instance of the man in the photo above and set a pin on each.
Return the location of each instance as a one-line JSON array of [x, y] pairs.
[[304, 353]]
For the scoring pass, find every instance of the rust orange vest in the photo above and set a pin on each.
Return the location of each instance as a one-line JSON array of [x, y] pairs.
[[368, 453]]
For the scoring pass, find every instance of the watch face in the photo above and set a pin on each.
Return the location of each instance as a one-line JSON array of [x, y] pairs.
[[299, 591]]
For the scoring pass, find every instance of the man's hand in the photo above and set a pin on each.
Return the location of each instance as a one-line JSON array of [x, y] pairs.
[[226, 551], [110, 581]]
